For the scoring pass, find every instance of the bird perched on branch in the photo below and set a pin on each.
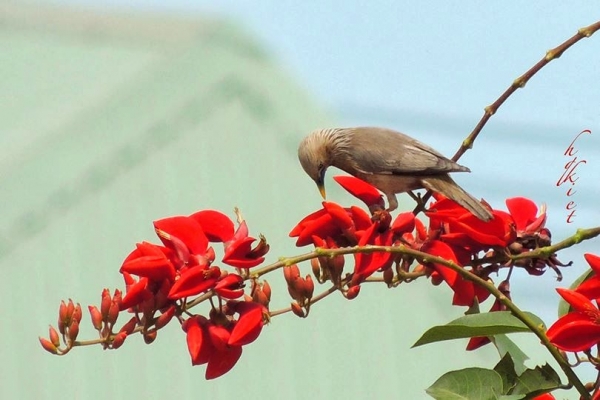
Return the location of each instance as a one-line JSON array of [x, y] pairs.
[[389, 160]]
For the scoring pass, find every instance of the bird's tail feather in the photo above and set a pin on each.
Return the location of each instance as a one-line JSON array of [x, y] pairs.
[[445, 185]]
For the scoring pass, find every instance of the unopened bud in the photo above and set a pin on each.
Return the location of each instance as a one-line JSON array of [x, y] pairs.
[[150, 337], [266, 288], [296, 309], [113, 313], [309, 287], [504, 288], [118, 340], [515, 248], [129, 326], [388, 276], [165, 318], [436, 279], [96, 317], [53, 335], [353, 292], [105, 304], [48, 346], [62, 317], [291, 273], [315, 266], [77, 314], [73, 330]]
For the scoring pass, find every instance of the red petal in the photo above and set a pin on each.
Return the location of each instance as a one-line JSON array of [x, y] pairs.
[[194, 339], [216, 225], [249, 325], [136, 294], [191, 282], [491, 233], [367, 263], [241, 232], [321, 227], [222, 362], [339, 215], [185, 229], [361, 219], [477, 342], [219, 336], [305, 221], [578, 301], [404, 222], [230, 287], [594, 262], [574, 332], [236, 254], [523, 211], [156, 268], [360, 189], [590, 288]]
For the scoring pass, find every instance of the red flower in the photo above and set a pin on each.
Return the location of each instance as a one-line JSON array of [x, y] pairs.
[[524, 213], [464, 291], [340, 224], [150, 261], [239, 252], [220, 345], [194, 281], [361, 190], [217, 226], [578, 330]]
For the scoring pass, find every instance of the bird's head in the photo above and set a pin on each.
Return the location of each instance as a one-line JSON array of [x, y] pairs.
[[315, 157]]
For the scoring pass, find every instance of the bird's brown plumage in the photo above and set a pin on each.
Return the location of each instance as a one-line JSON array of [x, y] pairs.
[[389, 160]]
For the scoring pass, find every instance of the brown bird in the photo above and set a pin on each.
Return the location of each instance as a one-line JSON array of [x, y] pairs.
[[389, 160]]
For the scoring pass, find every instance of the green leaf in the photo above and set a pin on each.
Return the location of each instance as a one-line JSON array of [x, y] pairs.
[[487, 324], [563, 306], [512, 397], [467, 384], [537, 381], [506, 369], [507, 346]]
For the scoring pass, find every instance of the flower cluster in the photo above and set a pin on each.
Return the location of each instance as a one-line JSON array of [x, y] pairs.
[[453, 234], [161, 281]]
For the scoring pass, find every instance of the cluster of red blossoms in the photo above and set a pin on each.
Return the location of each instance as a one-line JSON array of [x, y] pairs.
[[165, 282], [453, 234], [161, 279]]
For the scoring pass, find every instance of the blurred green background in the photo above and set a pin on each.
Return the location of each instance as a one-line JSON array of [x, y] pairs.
[[110, 119]]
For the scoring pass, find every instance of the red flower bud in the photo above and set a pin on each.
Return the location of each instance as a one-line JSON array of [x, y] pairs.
[[150, 337], [73, 330], [129, 326], [118, 340], [315, 265], [48, 346], [96, 317], [296, 309], [113, 313], [77, 314], [309, 287], [388, 276], [105, 304], [165, 318], [53, 335], [353, 292], [62, 317], [266, 288]]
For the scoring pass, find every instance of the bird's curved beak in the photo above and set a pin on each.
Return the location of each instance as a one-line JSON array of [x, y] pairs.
[[321, 187]]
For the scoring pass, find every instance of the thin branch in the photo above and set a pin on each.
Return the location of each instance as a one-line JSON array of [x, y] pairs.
[[519, 83]]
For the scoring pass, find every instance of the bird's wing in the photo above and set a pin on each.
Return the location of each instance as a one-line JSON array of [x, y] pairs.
[[384, 151]]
